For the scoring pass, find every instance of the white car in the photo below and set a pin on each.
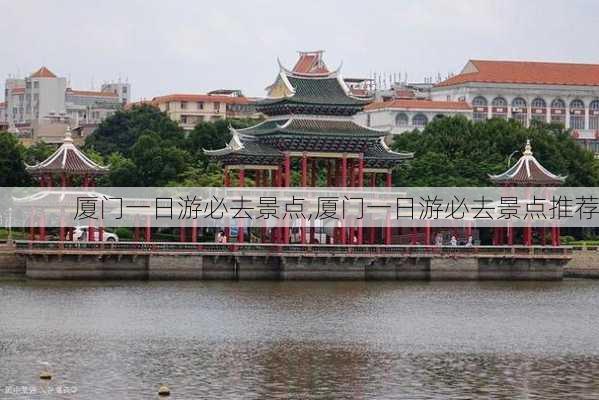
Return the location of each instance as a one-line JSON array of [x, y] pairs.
[[80, 234]]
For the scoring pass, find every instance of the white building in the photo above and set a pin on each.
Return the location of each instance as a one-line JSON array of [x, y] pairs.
[[122, 90], [43, 98], [522, 90], [403, 115], [3, 120]]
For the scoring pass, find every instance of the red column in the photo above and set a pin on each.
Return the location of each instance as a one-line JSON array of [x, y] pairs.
[[240, 230], [287, 170], [42, 226], [542, 236], [343, 171], [557, 236], [136, 233], [388, 218], [101, 233], [304, 170], [241, 177], [148, 229], [314, 172], [194, 230], [182, 237], [227, 177], [257, 181], [427, 233]]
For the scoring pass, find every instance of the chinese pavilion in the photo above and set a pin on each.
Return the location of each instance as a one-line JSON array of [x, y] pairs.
[[66, 162], [310, 124], [527, 172]]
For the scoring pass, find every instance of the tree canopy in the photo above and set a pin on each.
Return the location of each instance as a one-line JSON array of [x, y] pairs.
[[12, 166], [120, 132], [454, 151], [145, 148]]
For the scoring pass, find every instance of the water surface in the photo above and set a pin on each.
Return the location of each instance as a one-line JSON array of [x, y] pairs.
[[301, 340]]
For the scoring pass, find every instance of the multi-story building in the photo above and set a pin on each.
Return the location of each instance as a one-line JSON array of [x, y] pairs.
[[122, 90], [191, 109], [3, 120], [38, 104], [562, 93], [90, 107], [403, 115]]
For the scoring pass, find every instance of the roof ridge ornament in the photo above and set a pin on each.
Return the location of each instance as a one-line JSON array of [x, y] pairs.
[[68, 136], [527, 148]]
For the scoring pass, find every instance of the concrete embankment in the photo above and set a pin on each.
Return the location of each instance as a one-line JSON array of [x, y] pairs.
[[584, 264], [10, 263], [198, 266]]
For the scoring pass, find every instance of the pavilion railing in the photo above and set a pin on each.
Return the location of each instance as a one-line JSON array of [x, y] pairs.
[[291, 249]]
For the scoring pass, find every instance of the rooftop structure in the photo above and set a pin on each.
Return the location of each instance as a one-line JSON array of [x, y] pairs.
[[310, 119], [526, 72], [67, 160], [528, 171]]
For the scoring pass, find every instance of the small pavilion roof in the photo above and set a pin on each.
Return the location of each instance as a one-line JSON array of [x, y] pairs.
[[68, 159], [527, 172]]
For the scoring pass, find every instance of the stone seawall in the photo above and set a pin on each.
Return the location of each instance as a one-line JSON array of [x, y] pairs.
[[10, 263], [584, 264], [197, 266]]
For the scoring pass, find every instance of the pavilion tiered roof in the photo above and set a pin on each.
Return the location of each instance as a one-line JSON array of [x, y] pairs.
[[528, 171], [67, 159]]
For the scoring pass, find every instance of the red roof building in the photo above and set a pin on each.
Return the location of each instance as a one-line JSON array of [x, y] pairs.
[[551, 92], [43, 72]]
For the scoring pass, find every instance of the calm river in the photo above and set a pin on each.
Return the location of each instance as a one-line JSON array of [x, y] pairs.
[[300, 340]]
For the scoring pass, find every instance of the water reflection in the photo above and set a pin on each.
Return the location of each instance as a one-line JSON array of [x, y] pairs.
[[279, 340]]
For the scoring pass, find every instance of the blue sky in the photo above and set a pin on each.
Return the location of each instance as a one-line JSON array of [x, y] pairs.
[[196, 46]]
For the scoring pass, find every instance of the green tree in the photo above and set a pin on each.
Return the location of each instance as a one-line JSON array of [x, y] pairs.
[[12, 166], [157, 163], [120, 132], [458, 152], [37, 152]]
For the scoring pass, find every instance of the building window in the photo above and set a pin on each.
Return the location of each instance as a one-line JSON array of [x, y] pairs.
[[519, 111], [499, 107], [594, 114], [538, 110], [401, 119], [217, 107], [200, 105], [183, 105], [558, 112], [368, 119], [479, 105], [577, 114], [36, 84], [419, 120]]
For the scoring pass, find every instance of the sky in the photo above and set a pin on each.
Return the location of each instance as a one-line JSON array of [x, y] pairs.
[[165, 47]]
